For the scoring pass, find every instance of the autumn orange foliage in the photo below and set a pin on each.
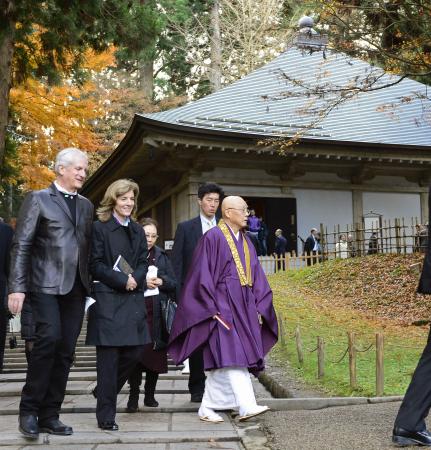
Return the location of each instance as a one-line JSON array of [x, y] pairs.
[[52, 118]]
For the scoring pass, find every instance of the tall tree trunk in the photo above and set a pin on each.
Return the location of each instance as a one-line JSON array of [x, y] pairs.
[[146, 78], [215, 68], [6, 54]]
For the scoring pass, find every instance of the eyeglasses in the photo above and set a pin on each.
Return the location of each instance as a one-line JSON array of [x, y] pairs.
[[245, 211]]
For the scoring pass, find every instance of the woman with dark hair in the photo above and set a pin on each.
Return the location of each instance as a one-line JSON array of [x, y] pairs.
[[117, 323], [153, 356]]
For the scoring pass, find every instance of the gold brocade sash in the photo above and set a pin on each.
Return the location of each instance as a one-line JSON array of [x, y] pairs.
[[244, 280]]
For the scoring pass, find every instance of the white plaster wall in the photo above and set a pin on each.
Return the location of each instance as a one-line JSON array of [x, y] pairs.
[[316, 206], [392, 205]]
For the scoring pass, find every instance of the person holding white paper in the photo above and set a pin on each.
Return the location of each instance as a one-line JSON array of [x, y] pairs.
[[117, 323], [161, 285]]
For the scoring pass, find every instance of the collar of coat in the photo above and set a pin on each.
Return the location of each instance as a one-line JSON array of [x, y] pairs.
[[114, 225], [54, 191]]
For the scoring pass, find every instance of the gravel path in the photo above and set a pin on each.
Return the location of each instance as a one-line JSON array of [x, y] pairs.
[[362, 427]]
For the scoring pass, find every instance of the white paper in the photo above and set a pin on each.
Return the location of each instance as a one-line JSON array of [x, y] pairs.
[[15, 323], [88, 302], [152, 273], [115, 267]]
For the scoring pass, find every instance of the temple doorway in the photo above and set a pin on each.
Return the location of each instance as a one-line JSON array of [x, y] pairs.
[[277, 213]]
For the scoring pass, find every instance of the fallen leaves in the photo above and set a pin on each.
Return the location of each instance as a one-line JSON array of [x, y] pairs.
[[378, 286]]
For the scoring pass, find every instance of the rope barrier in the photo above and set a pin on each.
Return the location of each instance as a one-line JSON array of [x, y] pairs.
[[342, 357], [364, 350]]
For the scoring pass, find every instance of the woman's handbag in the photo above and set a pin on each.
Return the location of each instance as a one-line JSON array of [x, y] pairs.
[[168, 307]]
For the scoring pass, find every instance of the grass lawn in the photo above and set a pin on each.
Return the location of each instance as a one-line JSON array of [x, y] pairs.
[[317, 317]]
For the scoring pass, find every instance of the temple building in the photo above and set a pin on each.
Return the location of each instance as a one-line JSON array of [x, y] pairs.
[[371, 152]]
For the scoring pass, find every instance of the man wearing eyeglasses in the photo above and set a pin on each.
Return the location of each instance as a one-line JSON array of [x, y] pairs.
[[228, 314], [187, 237]]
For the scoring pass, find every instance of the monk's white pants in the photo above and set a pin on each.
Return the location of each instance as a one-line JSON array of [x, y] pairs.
[[229, 388]]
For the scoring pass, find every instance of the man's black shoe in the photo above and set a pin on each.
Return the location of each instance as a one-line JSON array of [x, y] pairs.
[[28, 426], [196, 398], [55, 426], [112, 426], [402, 437]]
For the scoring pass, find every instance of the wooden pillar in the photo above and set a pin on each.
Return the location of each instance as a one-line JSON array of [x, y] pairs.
[[173, 214], [424, 207], [193, 200], [357, 206]]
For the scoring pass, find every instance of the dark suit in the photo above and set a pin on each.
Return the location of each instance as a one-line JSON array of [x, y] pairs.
[[417, 400], [187, 237], [280, 250], [49, 263], [308, 250], [6, 234]]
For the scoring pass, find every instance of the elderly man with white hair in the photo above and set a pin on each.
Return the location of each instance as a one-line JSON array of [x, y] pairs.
[[49, 267]]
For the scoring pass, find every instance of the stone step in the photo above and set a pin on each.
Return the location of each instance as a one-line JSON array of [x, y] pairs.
[[164, 386], [176, 402], [87, 376], [78, 351], [78, 366], [180, 430]]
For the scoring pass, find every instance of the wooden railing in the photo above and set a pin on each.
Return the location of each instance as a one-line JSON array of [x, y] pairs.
[[291, 261]]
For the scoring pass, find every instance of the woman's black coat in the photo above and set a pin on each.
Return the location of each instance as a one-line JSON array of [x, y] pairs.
[[166, 290], [118, 318]]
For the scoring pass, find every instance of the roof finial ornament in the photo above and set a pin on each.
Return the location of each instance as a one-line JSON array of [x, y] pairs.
[[308, 39]]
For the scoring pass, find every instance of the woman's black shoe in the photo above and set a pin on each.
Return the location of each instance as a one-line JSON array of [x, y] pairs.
[[132, 404], [111, 426], [151, 402]]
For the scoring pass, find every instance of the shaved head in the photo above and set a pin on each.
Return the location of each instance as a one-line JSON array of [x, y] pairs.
[[232, 201], [234, 212]]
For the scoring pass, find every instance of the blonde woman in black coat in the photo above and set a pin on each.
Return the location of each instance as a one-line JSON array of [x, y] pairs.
[[117, 323], [153, 358]]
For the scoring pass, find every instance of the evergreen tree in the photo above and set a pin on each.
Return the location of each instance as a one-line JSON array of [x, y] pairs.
[[46, 39]]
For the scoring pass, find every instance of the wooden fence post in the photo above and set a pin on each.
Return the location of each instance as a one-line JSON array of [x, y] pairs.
[[320, 357], [352, 359], [380, 374], [298, 342], [281, 328]]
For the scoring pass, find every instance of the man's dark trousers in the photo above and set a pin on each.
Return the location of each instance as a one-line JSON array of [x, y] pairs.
[[197, 375], [58, 320], [417, 400]]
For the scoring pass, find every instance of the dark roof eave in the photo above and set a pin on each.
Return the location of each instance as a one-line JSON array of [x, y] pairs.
[[141, 123]]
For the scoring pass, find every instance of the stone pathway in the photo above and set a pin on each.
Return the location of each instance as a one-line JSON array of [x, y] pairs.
[[174, 425]]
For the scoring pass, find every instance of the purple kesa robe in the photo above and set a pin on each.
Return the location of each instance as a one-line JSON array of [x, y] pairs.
[[213, 286]]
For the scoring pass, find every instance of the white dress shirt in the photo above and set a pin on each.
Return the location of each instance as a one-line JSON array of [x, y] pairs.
[[207, 224]]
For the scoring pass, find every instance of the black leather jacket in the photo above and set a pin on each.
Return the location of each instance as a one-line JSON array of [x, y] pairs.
[[48, 247]]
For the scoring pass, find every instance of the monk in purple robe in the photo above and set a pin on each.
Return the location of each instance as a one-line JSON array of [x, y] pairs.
[[228, 313]]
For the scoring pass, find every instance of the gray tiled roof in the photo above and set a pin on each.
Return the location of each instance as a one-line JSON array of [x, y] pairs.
[[256, 104]]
